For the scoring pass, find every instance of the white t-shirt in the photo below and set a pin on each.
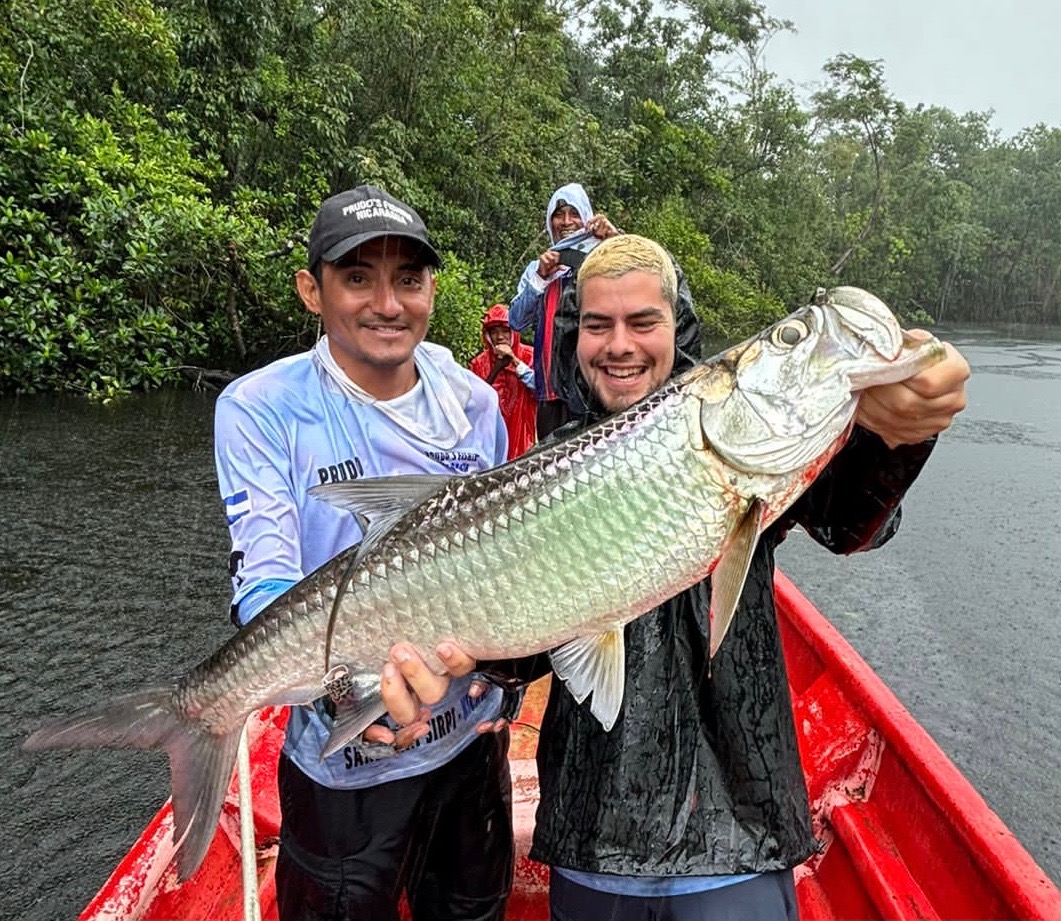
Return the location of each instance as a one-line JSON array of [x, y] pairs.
[[289, 426]]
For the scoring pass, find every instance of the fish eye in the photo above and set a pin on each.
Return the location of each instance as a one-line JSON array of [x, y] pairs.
[[790, 333]]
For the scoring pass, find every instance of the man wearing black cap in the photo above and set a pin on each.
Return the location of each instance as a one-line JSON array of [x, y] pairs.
[[371, 399]]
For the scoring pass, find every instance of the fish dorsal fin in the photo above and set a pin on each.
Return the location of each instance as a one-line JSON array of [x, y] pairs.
[[729, 575], [596, 664], [382, 501]]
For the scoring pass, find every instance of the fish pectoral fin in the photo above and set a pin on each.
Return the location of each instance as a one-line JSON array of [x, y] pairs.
[[383, 496], [350, 721], [382, 501], [731, 572], [594, 664]]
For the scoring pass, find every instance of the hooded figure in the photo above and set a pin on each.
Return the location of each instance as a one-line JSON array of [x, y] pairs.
[[506, 364], [542, 285]]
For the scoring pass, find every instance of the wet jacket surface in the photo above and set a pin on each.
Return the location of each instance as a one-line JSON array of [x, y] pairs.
[[535, 303], [516, 399], [701, 774]]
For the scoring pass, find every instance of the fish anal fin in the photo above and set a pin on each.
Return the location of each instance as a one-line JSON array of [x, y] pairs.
[[596, 665], [354, 713], [731, 572]]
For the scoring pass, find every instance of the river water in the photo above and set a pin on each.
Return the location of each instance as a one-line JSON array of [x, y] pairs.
[[112, 576]]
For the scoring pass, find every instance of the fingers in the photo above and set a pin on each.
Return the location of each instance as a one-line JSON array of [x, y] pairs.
[[901, 419], [601, 227], [920, 407], [404, 737], [398, 697], [411, 734], [407, 682], [548, 262], [491, 726], [428, 686], [944, 379], [458, 663], [378, 734], [902, 429]]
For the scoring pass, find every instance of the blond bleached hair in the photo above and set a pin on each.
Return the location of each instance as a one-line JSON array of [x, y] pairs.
[[627, 252]]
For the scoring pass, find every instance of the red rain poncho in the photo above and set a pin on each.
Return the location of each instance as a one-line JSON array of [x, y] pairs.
[[518, 405]]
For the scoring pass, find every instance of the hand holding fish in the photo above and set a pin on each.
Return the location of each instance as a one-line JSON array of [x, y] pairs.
[[407, 684], [919, 407]]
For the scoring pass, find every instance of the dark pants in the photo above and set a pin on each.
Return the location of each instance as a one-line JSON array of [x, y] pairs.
[[770, 897], [551, 415], [445, 837]]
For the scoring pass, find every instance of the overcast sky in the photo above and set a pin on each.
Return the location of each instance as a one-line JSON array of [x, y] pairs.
[[964, 55]]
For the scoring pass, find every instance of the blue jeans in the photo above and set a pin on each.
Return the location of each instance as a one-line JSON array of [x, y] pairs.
[[769, 897]]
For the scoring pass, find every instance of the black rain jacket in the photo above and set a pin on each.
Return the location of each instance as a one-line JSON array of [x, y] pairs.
[[701, 773]]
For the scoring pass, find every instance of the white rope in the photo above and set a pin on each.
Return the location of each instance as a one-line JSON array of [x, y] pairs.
[[248, 855]]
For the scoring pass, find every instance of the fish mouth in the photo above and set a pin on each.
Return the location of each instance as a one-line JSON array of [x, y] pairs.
[[914, 357], [878, 350]]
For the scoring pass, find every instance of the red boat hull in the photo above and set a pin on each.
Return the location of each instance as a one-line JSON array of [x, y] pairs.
[[904, 833]]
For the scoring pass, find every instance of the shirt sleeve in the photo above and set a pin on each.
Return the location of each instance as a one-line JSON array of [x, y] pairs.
[[254, 475], [526, 308], [500, 440], [525, 373], [854, 504]]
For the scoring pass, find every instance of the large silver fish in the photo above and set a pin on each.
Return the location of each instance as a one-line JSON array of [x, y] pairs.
[[556, 550]]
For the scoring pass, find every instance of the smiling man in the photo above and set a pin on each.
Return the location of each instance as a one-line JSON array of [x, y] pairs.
[[371, 399], [626, 344], [692, 807]]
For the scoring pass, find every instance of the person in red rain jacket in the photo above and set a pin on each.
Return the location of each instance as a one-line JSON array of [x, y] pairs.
[[508, 365]]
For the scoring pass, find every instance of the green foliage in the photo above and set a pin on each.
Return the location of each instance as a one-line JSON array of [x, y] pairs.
[[462, 296], [161, 163], [729, 307]]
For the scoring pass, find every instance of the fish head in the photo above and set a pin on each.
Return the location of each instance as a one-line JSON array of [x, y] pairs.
[[786, 398]]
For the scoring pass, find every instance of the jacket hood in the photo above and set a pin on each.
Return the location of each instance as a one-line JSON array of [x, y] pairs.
[[574, 195], [568, 380], [497, 316]]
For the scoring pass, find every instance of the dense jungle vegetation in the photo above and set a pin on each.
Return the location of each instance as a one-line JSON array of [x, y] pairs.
[[161, 161]]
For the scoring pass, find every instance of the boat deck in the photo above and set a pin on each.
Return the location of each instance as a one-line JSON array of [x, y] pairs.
[[903, 834]]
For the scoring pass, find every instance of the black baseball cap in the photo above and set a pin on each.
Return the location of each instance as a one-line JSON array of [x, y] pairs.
[[348, 219]]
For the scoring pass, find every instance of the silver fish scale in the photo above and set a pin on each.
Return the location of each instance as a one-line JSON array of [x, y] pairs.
[[271, 660], [563, 542]]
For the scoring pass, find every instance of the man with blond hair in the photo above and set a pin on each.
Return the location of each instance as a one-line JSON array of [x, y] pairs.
[[693, 806]]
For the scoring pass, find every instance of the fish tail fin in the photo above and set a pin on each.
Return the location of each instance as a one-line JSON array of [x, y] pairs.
[[200, 761]]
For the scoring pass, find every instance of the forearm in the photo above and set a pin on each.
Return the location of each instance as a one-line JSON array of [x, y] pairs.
[[855, 503], [525, 309]]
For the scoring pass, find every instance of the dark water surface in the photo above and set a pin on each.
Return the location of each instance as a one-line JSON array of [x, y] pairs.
[[112, 576]]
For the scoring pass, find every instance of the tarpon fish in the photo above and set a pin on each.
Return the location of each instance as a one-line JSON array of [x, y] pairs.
[[556, 550]]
